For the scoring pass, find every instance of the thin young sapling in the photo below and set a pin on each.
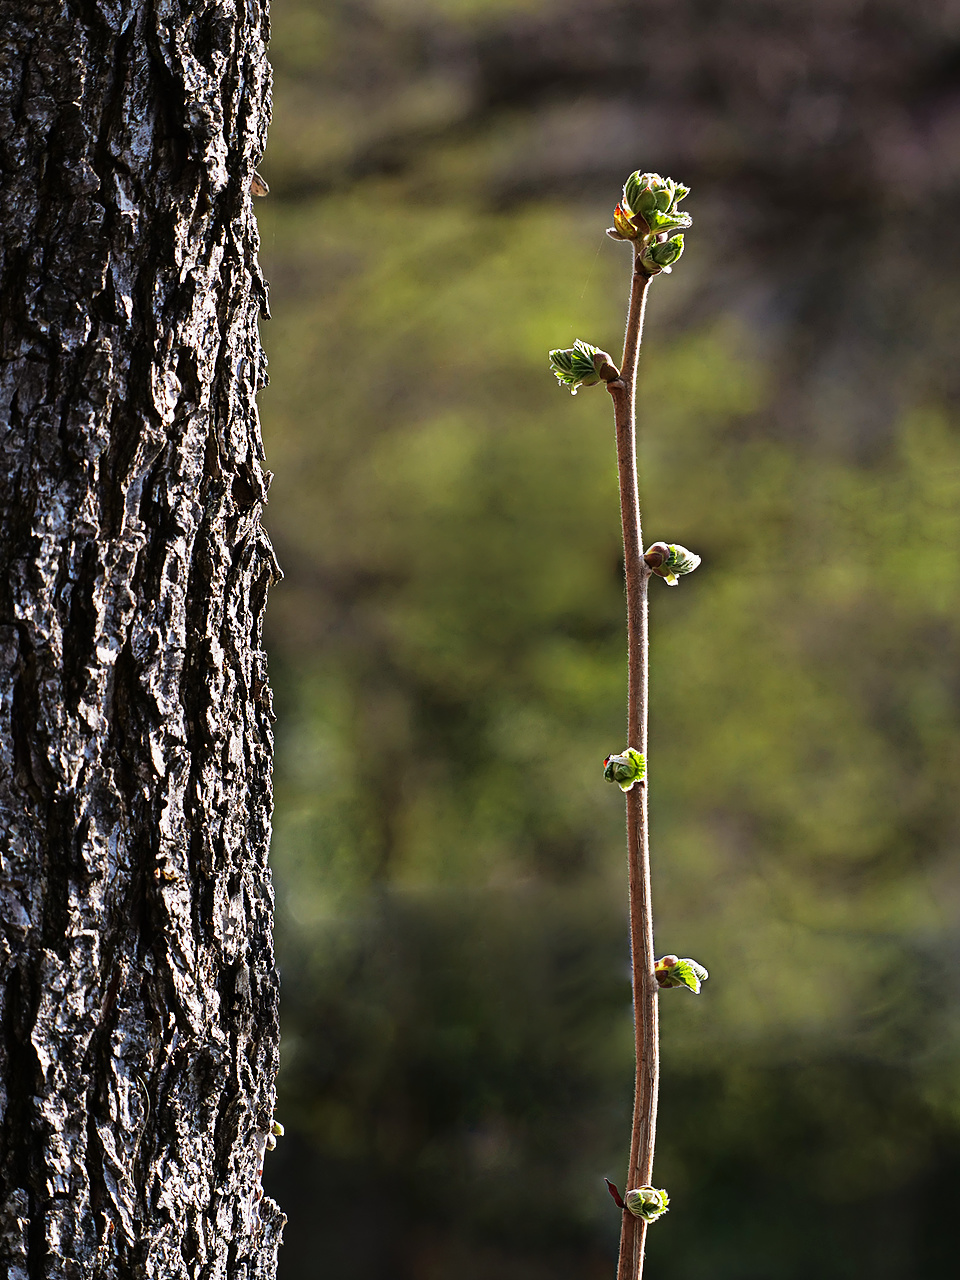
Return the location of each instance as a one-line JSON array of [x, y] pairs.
[[648, 219]]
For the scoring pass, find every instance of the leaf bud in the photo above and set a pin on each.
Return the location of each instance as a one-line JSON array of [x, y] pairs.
[[623, 228], [671, 971], [582, 365], [625, 769], [662, 255], [649, 205], [648, 1203], [277, 1129], [669, 561]]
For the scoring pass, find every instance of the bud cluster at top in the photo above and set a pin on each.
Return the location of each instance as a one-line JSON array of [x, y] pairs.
[[648, 213]]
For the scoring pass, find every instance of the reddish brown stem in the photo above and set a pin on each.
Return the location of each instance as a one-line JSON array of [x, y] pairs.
[[640, 1170]]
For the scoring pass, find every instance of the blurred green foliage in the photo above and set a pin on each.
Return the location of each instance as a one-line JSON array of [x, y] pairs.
[[448, 655]]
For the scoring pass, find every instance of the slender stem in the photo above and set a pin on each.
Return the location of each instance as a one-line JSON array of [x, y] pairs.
[[632, 337], [640, 1172]]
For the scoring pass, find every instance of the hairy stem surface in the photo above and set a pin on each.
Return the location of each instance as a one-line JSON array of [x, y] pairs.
[[640, 1172]]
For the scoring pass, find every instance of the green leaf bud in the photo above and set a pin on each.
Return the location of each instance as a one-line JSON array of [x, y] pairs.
[[667, 253], [669, 561], [582, 365], [625, 769], [643, 193], [662, 255], [634, 190], [277, 1129], [649, 205], [664, 223], [671, 971], [648, 1203]]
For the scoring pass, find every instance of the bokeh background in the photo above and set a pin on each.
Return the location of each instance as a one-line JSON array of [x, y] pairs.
[[448, 650]]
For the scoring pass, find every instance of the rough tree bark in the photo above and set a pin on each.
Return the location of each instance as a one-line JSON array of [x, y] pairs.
[[138, 1027]]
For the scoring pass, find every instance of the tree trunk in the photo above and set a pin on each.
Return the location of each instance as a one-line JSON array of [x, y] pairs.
[[138, 1027]]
